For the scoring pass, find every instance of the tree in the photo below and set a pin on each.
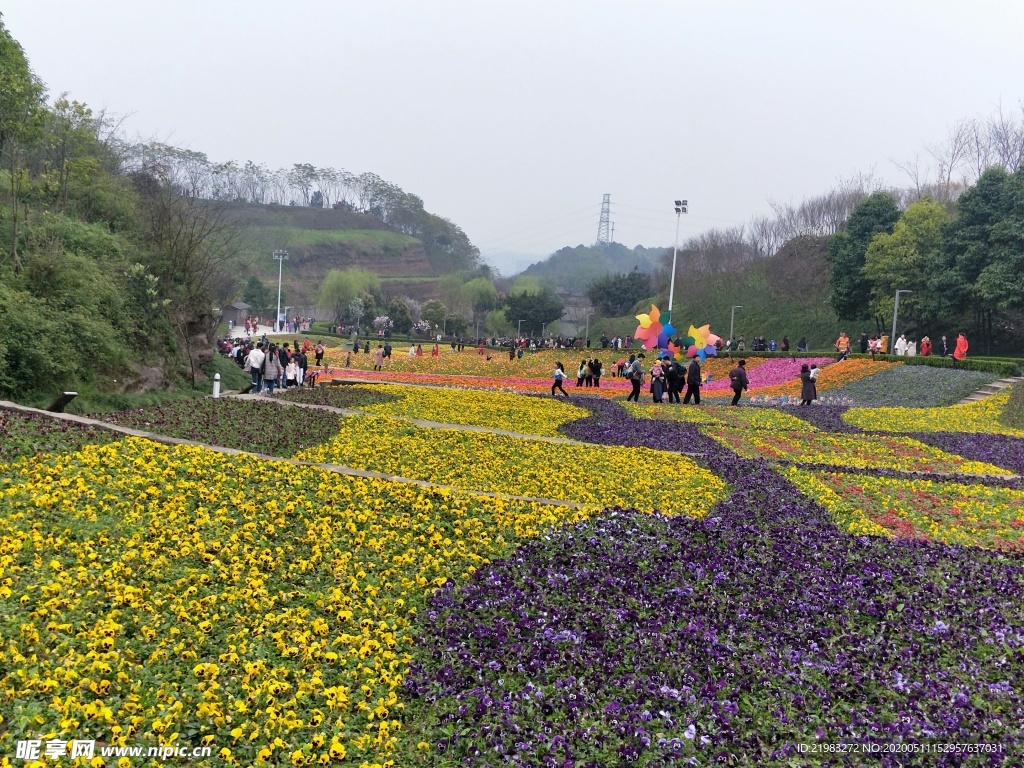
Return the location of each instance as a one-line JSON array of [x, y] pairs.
[[982, 270], [535, 310], [400, 317], [257, 295], [527, 284], [22, 114], [339, 287], [851, 291], [907, 259], [434, 312], [450, 293], [615, 295], [316, 200], [482, 297]]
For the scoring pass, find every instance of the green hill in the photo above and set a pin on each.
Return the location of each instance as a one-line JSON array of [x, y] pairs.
[[571, 270], [321, 239]]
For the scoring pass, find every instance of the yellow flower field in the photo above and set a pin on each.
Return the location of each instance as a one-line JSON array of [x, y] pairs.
[[980, 416], [179, 596], [480, 408], [598, 475]]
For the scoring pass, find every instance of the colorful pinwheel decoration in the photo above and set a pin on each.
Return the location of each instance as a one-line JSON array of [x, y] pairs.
[[651, 332], [701, 342]]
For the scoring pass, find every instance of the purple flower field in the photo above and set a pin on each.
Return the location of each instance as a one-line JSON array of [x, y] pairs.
[[634, 638]]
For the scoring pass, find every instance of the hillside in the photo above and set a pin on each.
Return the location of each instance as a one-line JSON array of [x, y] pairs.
[[571, 270], [321, 239]]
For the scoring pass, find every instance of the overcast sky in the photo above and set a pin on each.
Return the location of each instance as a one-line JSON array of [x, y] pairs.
[[512, 119]]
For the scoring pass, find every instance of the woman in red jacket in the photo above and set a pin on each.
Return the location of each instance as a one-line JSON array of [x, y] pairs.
[[960, 353]]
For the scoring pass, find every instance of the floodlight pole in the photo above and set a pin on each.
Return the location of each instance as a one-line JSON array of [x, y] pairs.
[[586, 333], [732, 322], [681, 206], [895, 314], [280, 257]]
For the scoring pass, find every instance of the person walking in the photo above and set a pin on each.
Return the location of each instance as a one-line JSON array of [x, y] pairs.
[[842, 344], [807, 389], [378, 357], [738, 381], [635, 373], [864, 342], [960, 353], [943, 347], [901, 345], [692, 383], [559, 378], [673, 380], [303, 364], [318, 350], [596, 368], [254, 364], [272, 370], [657, 382], [581, 373]]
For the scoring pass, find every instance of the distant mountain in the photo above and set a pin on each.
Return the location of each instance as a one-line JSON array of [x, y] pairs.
[[571, 270]]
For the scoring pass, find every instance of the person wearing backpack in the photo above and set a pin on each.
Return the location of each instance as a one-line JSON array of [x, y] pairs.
[[635, 373]]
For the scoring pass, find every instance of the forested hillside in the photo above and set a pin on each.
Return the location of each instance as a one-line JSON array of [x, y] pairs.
[[571, 270]]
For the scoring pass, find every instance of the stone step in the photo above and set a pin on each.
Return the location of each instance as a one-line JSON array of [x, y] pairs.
[[994, 388]]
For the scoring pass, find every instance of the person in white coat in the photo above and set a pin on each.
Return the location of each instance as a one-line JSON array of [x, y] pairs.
[[912, 348], [901, 345]]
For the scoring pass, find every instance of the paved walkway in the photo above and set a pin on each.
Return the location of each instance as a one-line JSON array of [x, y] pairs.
[[336, 468]]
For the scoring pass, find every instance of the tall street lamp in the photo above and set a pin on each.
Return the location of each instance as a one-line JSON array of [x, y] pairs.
[[519, 333], [280, 257], [895, 313], [586, 333], [732, 321], [681, 206]]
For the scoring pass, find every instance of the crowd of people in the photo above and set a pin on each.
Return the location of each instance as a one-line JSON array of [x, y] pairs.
[[905, 347], [276, 366]]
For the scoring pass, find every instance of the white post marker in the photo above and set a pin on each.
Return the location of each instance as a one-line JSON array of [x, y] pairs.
[[216, 385]]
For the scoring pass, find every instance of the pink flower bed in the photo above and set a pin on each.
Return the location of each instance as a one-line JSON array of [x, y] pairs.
[[777, 370]]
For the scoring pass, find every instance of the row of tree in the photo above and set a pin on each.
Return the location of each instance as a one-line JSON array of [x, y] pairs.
[[196, 176], [963, 264], [943, 173], [467, 301]]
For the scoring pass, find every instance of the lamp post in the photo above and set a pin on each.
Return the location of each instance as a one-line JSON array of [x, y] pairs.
[[895, 314], [586, 333], [280, 257], [681, 206], [519, 333], [732, 322]]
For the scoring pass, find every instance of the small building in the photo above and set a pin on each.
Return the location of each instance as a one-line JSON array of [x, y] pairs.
[[235, 313]]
